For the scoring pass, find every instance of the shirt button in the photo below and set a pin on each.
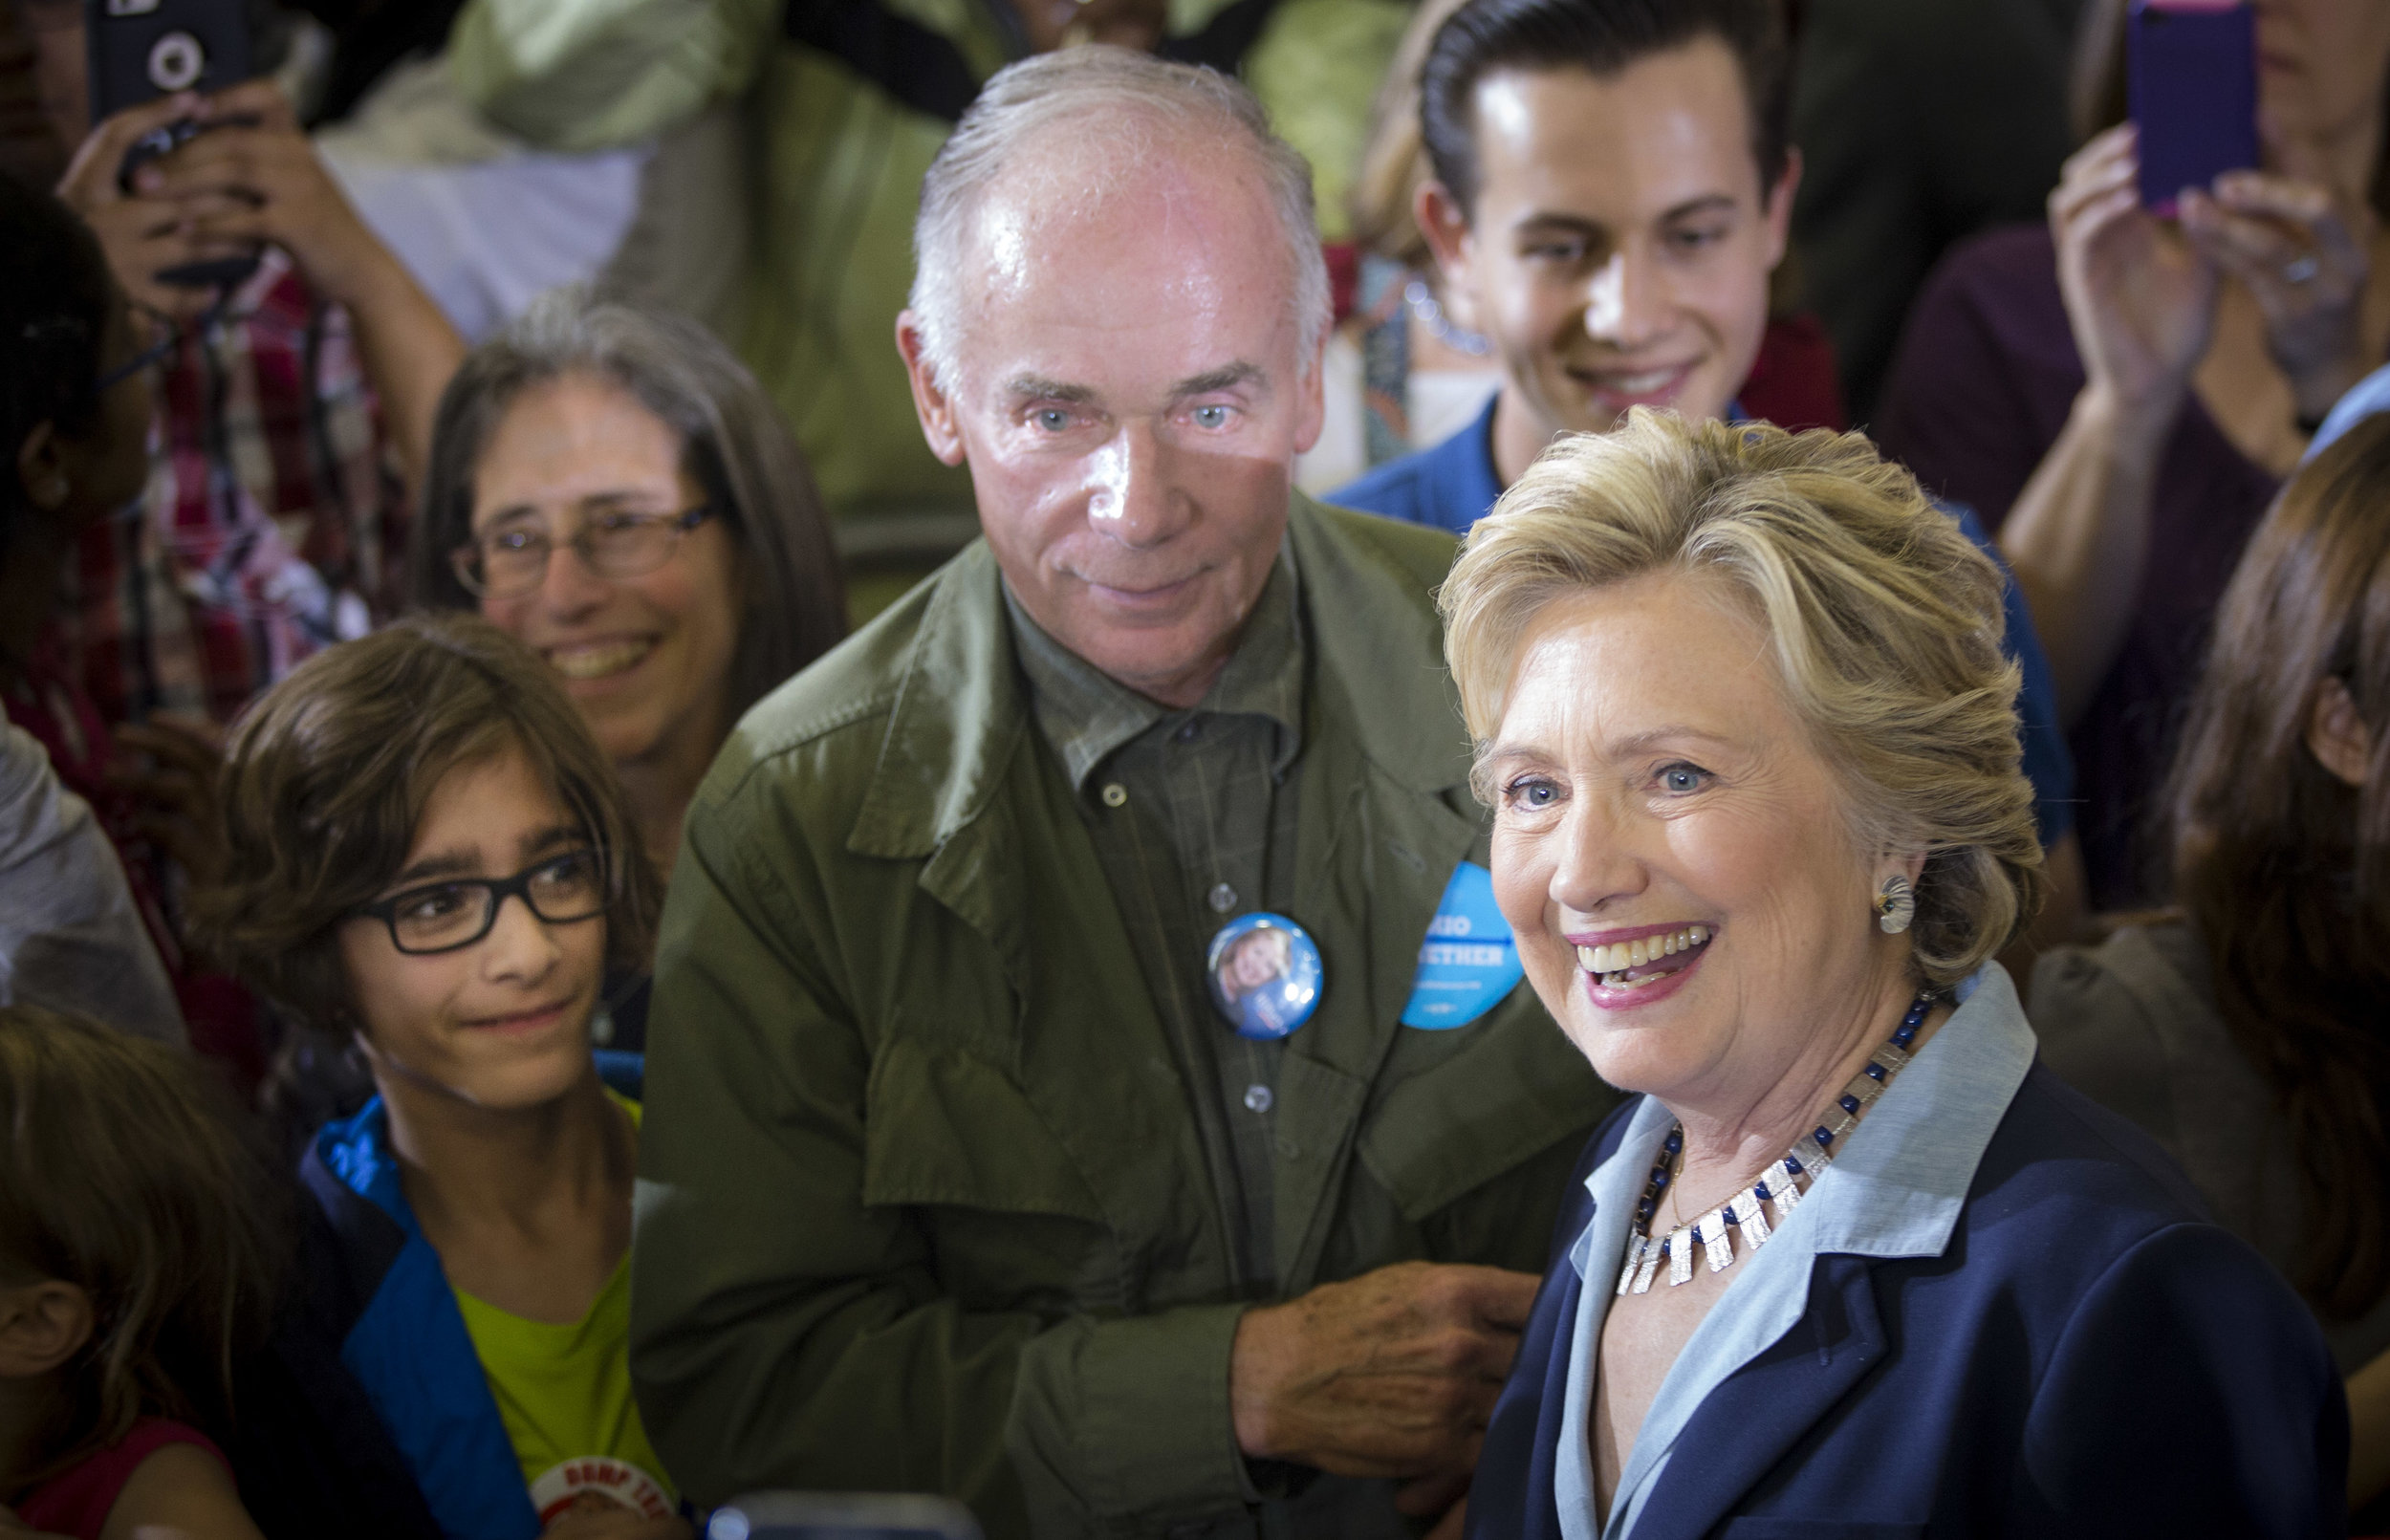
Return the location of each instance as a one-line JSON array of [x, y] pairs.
[[1116, 796], [1221, 898], [1189, 733], [1257, 1098]]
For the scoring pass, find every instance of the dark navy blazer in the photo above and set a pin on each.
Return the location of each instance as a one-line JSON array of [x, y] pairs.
[[2088, 1356]]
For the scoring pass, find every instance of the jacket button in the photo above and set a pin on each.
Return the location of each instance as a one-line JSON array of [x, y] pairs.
[[1116, 796]]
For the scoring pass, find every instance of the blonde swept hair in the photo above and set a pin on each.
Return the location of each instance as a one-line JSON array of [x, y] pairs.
[[1884, 619]]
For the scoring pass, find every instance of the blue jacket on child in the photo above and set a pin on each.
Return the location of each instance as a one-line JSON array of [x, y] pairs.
[[383, 1361]]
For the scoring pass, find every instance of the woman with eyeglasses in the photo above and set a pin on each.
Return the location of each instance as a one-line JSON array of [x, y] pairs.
[[610, 486], [431, 857]]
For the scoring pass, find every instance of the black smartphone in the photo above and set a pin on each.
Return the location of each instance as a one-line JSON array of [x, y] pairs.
[[842, 1516], [141, 50], [2192, 77]]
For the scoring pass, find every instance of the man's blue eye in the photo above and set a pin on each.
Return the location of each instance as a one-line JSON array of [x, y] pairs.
[[1681, 779], [1052, 418], [1212, 417]]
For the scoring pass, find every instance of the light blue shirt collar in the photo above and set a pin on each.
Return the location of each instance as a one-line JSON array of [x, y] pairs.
[[1895, 1191]]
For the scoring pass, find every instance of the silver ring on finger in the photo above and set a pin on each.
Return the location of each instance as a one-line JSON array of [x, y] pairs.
[[2302, 270]]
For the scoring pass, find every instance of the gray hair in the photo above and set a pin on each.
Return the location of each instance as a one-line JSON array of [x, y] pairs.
[[1138, 100], [735, 445]]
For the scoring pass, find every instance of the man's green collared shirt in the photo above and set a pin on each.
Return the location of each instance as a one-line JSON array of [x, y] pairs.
[[1186, 813]]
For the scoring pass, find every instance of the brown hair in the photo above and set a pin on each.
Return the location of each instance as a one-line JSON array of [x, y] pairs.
[[327, 776], [735, 446], [1883, 620], [2283, 868], [2098, 98], [125, 1172]]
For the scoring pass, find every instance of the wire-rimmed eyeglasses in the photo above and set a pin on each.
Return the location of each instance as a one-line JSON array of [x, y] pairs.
[[444, 917], [513, 559]]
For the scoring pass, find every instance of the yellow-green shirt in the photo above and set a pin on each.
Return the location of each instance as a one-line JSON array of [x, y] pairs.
[[564, 1394]]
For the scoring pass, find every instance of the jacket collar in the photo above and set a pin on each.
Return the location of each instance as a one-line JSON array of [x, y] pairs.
[[1898, 1192], [356, 1150], [961, 705]]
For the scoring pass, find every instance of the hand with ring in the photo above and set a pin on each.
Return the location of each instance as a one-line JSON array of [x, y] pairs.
[[2304, 257]]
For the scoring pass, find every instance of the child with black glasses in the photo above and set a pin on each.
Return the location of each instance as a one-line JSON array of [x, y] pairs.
[[429, 857]]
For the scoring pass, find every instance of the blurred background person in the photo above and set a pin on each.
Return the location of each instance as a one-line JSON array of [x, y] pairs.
[[2120, 394], [1920, 124], [432, 861], [294, 405], [71, 936], [75, 407], [1759, 828], [2243, 1028], [611, 486], [139, 1255]]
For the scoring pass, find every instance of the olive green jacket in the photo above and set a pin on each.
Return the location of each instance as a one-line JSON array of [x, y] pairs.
[[922, 1204]]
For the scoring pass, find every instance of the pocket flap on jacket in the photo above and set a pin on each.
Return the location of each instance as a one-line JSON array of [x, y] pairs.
[[1519, 1088], [942, 1127]]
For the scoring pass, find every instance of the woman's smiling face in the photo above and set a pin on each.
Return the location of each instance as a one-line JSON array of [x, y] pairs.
[[1670, 850], [647, 658]]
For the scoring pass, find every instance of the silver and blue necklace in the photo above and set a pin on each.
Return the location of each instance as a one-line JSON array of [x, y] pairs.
[[1779, 1184]]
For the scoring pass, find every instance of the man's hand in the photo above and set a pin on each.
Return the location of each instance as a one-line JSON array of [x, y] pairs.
[[1391, 1374]]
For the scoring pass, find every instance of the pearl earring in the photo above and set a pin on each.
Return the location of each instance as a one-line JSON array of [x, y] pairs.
[[1896, 905]]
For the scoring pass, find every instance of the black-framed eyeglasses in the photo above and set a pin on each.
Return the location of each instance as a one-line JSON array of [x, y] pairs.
[[168, 336], [514, 558], [444, 917]]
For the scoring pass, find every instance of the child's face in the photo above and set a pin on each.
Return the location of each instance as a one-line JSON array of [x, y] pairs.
[[504, 1022], [1256, 963]]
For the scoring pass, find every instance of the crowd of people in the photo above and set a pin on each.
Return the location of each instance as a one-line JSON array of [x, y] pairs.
[[1172, 768]]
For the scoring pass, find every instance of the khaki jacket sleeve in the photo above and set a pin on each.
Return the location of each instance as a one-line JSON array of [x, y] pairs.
[[787, 1333], [576, 76]]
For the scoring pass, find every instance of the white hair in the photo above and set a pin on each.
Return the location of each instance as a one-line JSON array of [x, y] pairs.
[[1144, 106]]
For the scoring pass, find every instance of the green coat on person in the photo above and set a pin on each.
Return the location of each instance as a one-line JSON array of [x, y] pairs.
[[921, 1203]]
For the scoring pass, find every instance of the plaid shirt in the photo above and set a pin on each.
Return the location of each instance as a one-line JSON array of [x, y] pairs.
[[272, 525]]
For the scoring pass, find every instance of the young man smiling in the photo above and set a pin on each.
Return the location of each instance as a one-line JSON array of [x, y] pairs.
[[1612, 187], [1614, 184]]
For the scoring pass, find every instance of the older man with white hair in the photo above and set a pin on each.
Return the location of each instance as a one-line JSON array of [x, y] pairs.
[[982, 1154]]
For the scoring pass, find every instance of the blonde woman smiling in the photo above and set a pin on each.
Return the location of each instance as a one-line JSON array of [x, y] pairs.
[[1852, 1260]]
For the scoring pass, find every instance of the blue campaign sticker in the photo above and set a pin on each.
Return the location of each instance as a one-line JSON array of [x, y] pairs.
[[1468, 963], [1264, 975]]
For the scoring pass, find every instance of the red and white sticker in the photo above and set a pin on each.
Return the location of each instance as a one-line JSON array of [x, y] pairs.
[[617, 1480]]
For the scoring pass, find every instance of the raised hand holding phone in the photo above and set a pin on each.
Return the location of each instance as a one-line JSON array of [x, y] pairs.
[[2141, 297]]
